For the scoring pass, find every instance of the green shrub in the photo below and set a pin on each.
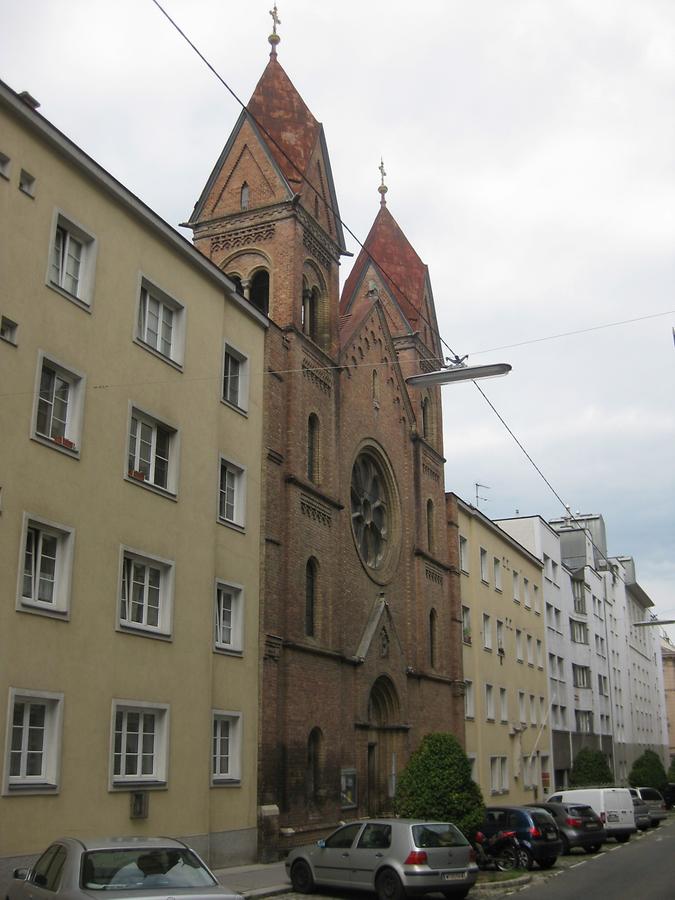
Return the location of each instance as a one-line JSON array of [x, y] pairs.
[[671, 770], [437, 784], [648, 771], [590, 768]]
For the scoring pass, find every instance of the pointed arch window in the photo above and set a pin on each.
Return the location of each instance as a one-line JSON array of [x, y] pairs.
[[311, 299], [313, 448], [244, 197], [376, 387], [433, 638], [311, 570], [259, 292], [430, 526], [236, 280]]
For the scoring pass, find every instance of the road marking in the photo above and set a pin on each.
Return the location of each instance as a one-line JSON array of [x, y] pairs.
[[576, 865]]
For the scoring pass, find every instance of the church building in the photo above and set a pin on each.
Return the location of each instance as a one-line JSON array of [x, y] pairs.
[[360, 616]]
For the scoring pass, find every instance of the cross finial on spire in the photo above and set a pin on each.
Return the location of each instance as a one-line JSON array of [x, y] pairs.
[[274, 37], [383, 187]]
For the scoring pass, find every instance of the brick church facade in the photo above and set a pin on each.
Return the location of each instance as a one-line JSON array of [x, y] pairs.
[[360, 618]]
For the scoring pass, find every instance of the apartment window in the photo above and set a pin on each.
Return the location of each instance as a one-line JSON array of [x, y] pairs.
[[542, 710], [152, 452], [533, 710], [497, 572], [47, 556], [160, 322], [581, 676], [579, 632], [8, 330], [561, 669], [33, 741], [500, 636], [603, 685], [235, 378], [484, 565], [489, 702], [584, 721], [463, 554], [553, 665], [73, 254], [530, 656], [526, 593], [232, 493], [537, 599], [27, 183], [140, 743], [547, 566], [229, 617], [487, 632], [554, 572], [58, 412], [499, 774], [578, 590], [521, 706], [226, 748], [503, 705], [466, 624], [519, 645], [5, 165], [146, 593], [469, 700], [540, 654], [516, 587]]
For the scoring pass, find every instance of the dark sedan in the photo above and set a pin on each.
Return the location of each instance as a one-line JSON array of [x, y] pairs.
[[535, 829], [579, 825]]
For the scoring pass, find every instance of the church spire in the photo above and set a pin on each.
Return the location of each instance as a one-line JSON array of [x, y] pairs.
[[383, 187], [274, 37]]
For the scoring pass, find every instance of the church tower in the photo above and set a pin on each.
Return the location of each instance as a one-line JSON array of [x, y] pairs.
[[360, 634]]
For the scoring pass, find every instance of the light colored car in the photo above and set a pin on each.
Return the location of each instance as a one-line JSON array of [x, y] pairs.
[[130, 868], [613, 805], [394, 857], [655, 802], [641, 812]]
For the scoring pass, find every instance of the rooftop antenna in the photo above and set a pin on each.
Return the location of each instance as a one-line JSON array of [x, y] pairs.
[[478, 497]]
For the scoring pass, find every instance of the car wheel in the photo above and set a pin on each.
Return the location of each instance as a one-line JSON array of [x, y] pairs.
[[656, 824], [622, 838], [525, 860], [565, 845], [507, 859], [456, 895], [388, 886], [547, 863], [301, 877], [593, 848]]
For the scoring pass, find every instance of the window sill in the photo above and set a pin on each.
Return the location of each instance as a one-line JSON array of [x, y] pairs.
[[73, 298], [235, 407], [233, 525], [153, 488], [487, 649], [39, 609], [225, 782], [16, 788], [228, 651], [158, 354], [141, 631], [72, 452], [138, 785], [7, 340]]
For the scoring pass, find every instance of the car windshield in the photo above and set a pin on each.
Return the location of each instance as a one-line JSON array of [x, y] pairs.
[[436, 834], [130, 869]]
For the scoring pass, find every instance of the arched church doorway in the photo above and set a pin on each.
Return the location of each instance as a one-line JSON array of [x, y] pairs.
[[386, 737]]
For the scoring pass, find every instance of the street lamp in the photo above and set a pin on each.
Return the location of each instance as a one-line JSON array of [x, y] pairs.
[[457, 370], [654, 622]]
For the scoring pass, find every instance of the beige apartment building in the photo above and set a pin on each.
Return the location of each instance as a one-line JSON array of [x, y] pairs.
[[506, 695], [131, 419]]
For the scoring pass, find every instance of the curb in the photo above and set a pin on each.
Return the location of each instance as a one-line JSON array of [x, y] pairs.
[[498, 887]]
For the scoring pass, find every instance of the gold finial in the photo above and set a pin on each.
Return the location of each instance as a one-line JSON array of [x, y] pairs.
[[383, 187], [274, 37]]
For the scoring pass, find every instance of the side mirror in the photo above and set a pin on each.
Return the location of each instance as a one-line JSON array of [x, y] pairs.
[[321, 843], [20, 874]]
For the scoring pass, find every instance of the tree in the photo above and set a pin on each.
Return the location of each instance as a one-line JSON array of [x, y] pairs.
[[437, 784], [648, 771], [590, 767], [671, 770]]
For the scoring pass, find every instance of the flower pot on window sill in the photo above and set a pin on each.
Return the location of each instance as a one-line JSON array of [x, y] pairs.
[[134, 473], [467, 638], [64, 442]]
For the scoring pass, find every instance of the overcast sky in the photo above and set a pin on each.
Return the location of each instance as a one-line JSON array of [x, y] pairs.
[[529, 149]]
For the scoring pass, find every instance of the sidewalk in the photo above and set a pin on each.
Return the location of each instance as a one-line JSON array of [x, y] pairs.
[[257, 880]]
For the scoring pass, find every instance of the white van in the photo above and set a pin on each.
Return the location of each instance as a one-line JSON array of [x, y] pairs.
[[613, 805]]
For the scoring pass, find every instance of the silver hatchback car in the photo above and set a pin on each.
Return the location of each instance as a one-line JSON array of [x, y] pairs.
[[394, 857]]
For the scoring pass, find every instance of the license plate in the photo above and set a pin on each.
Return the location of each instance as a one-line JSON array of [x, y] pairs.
[[612, 817], [454, 876], [592, 825], [550, 837]]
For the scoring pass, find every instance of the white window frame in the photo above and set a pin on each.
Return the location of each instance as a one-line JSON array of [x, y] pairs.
[[59, 605], [526, 593], [64, 437], [484, 574], [74, 232], [489, 702], [539, 650], [466, 624], [469, 700], [521, 707], [159, 775], [503, 704], [235, 722], [499, 775], [530, 651], [578, 632], [235, 644], [165, 567], [238, 473], [240, 402], [487, 632], [149, 293], [464, 554], [135, 471], [519, 645], [497, 571], [48, 780], [516, 587]]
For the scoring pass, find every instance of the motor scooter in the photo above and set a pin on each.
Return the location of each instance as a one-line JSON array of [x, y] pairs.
[[500, 851]]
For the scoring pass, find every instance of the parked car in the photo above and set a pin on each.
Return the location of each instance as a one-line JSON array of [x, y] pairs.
[[535, 829], [613, 805], [655, 802], [393, 857], [122, 867], [641, 811], [578, 824]]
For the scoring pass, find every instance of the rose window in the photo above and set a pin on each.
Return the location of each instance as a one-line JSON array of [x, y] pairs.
[[370, 518]]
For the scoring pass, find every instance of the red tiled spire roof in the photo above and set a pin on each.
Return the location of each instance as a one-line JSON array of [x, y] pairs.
[[280, 109], [402, 270]]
